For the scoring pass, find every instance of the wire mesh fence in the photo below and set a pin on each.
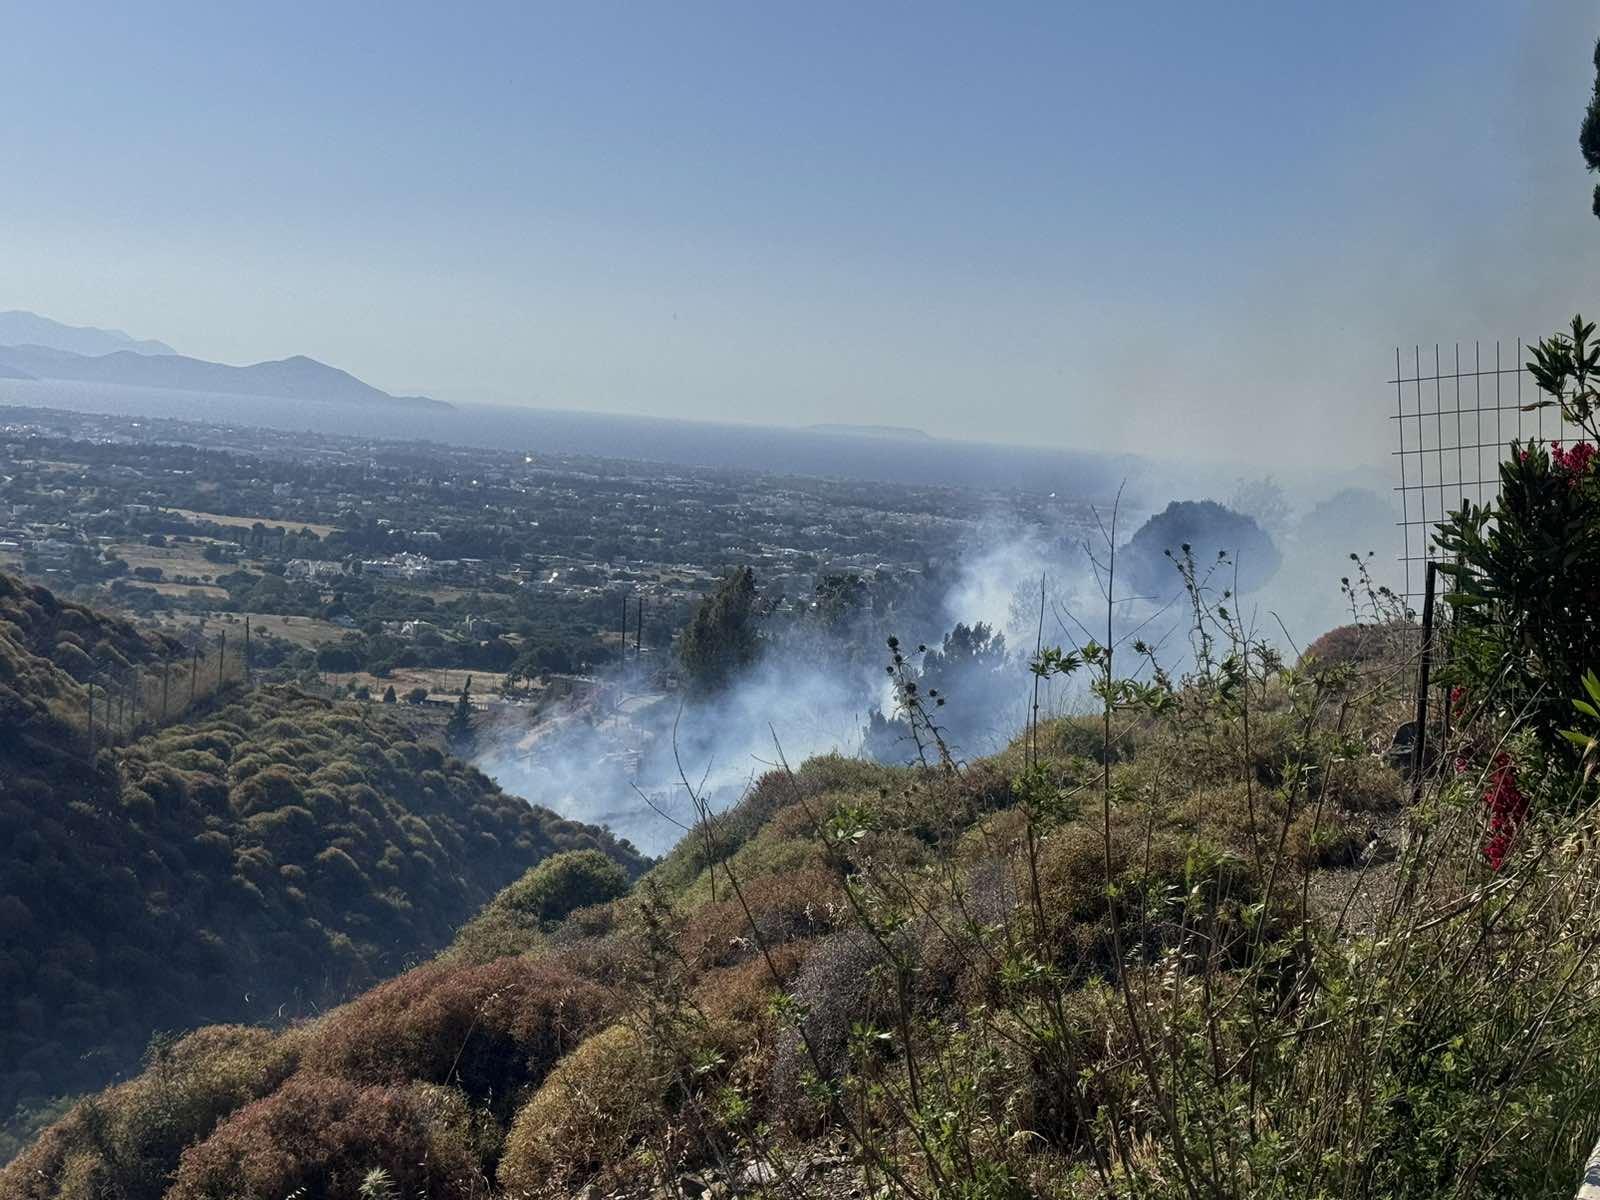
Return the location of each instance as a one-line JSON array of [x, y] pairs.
[[1454, 418], [125, 701]]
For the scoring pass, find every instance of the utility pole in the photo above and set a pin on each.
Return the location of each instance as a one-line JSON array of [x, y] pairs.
[[247, 650], [166, 678], [194, 673], [222, 658], [638, 640]]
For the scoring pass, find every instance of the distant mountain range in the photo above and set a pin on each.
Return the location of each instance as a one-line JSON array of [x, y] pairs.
[[18, 328], [875, 431], [34, 347]]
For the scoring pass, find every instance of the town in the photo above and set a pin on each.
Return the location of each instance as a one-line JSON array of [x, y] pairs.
[[362, 565]]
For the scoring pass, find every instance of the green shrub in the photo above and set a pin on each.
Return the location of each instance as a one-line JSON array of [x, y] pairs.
[[524, 912], [589, 1114]]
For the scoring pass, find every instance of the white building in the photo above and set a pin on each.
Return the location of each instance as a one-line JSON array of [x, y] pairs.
[[311, 569]]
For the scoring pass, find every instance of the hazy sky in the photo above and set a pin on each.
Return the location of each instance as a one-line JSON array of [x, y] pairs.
[[1194, 228]]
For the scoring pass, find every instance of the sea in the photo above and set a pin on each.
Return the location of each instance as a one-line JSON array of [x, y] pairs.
[[911, 459]]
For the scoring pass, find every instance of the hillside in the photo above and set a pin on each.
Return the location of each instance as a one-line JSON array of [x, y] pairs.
[[255, 862], [296, 378], [1201, 932], [49, 649]]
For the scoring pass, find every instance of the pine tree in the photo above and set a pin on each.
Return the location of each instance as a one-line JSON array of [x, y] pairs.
[[459, 731], [723, 637], [388, 695], [1589, 130]]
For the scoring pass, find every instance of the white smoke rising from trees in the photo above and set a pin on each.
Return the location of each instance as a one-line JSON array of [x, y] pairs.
[[610, 758]]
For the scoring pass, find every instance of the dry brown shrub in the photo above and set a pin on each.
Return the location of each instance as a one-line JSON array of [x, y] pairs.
[[591, 921], [1153, 867], [490, 1030], [959, 945], [1330, 839], [839, 984], [891, 850], [324, 1135], [1365, 784], [1084, 737], [611, 961], [785, 907], [795, 821], [1092, 1032], [127, 1141], [1326, 831], [1360, 646], [984, 786], [739, 995], [998, 834]]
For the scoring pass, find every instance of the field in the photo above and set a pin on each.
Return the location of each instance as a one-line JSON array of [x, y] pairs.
[[302, 631], [442, 682], [186, 591], [181, 558], [321, 531]]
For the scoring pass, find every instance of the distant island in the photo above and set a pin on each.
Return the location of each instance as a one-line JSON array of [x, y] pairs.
[[54, 351], [875, 431], [19, 328]]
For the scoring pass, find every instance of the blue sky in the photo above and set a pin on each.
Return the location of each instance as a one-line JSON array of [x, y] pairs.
[[1203, 227]]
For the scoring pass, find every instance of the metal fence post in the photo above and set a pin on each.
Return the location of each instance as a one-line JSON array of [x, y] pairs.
[[1419, 744]]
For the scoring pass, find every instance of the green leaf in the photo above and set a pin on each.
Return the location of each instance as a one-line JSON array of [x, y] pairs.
[[1591, 684]]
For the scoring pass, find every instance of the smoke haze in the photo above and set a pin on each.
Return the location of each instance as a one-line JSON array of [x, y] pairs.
[[614, 757]]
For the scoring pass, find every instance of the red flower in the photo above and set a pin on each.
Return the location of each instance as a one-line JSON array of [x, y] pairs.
[[1573, 463], [1507, 807]]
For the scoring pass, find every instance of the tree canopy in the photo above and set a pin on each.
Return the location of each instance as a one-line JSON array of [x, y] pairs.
[[1207, 531], [724, 636], [1589, 130]]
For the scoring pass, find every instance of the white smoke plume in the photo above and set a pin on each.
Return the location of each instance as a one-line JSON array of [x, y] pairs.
[[620, 755]]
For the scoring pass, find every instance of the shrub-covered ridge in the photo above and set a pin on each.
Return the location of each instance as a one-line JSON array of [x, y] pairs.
[[1198, 945], [275, 855]]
